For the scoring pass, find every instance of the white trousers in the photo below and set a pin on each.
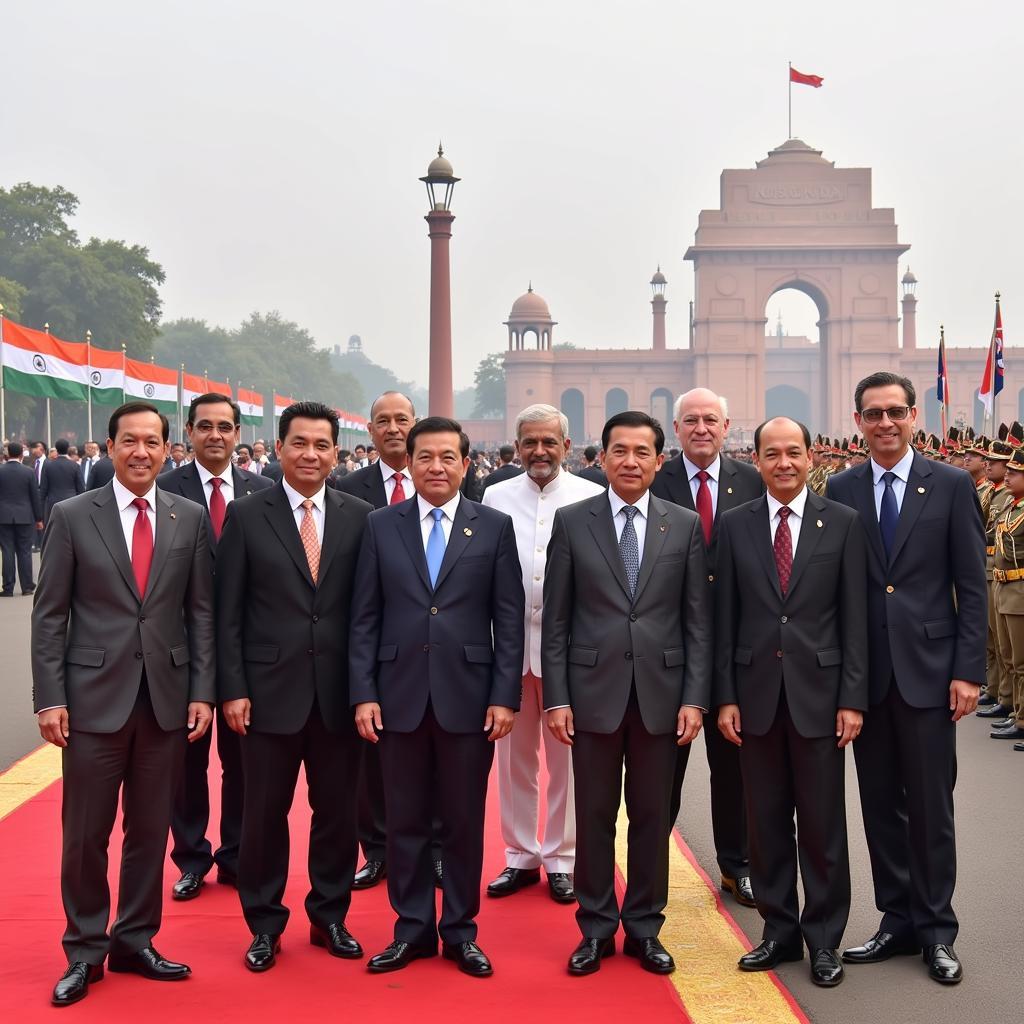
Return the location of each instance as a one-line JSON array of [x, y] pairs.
[[519, 790]]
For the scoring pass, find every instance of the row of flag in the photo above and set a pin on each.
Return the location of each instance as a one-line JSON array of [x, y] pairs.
[[37, 363], [992, 378]]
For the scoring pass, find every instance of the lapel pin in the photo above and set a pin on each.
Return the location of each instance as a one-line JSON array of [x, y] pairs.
[[173, 515], [820, 524], [663, 527], [920, 490], [467, 531], [728, 490]]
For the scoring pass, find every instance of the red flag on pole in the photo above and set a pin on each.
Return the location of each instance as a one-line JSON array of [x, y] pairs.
[[802, 79]]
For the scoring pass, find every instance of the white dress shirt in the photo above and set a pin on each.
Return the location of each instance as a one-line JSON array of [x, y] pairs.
[[129, 513], [639, 521], [389, 475], [295, 501], [796, 515], [427, 517], [533, 512], [899, 485], [714, 471], [227, 489]]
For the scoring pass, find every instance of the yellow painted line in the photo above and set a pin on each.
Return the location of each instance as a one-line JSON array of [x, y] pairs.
[[706, 944], [28, 778]]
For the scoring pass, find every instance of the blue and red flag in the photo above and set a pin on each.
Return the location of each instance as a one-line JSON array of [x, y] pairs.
[[992, 382], [942, 384]]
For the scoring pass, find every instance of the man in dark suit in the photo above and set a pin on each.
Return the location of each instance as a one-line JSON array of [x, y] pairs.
[[592, 471], [927, 619], [705, 480], [102, 473], [626, 655], [285, 565], [21, 514], [59, 478], [436, 660], [505, 471], [89, 460], [211, 481], [790, 678], [122, 660]]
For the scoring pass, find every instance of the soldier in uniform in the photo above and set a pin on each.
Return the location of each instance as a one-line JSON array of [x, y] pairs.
[[974, 463], [817, 476]]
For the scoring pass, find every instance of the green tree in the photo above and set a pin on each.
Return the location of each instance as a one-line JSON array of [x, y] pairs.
[[489, 381]]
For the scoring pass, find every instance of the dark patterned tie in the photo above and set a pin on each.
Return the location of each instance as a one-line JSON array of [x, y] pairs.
[[629, 548], [783, 550]]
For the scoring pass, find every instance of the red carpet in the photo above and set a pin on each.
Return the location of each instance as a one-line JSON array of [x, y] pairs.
[[528, 938]]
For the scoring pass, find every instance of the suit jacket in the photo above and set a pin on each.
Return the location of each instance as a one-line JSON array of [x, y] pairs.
[[458, 644], [596, 640], [61, 479], [92, 634], [597, 475], [20, 501], [505, 472], [366, 483], [281, 639], [810, 643], [102, 473], [927, 605], [739, 483], [81, 471], [186, 482]]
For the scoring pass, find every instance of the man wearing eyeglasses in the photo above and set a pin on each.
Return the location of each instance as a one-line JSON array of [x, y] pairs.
[[927, 621]]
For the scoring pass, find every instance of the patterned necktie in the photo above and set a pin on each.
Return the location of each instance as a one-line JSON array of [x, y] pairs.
[[783, 550], [217, 506], [889, 514], [435, 546], [704, 509], [629, 548], [142, 546], [307, 532], [398, 494]]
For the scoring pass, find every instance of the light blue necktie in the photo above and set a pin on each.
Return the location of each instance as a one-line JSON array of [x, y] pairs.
[[435, 546]]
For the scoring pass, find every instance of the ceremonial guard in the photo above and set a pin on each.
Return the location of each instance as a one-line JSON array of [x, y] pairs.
[[1008, 598]]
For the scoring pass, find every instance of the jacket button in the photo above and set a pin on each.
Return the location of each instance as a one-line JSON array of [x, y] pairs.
[[433, 611], [426, 648], [784, 619], [711, 578], [138, 655], [778, 654], [142, 618], [310, 651], [316, 618], [632, 616], [890, 589], [629, 655]]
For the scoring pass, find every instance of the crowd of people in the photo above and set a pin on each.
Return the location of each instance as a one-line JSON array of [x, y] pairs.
[[392, 618]]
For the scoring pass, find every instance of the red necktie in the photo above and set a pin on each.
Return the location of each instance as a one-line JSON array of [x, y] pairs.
[[218, 507], [398, 494], [142, 546], [704, 509], [783, 550]]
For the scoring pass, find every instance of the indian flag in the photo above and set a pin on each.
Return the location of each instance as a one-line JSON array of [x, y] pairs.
[[156, 384], [36, 363], [106, 375], [191, 387], [281, 403], [251, 404]]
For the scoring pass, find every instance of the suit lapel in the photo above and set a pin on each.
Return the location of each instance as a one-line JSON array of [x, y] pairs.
[[763, 542], [864, 495], [603, 529], [412, 537], [654, 541], [192, 485], [241, 484], [378, 493], [333, 500], [107, 518], [166, 528], [810, 533], [727, 496], [460, 539], [678, 483], [915, 497], [282, 521]]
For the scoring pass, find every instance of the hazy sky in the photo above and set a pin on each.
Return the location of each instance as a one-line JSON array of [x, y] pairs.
[[268, 153]]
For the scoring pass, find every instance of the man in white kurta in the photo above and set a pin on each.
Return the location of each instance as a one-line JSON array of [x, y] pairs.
[[531, 499]]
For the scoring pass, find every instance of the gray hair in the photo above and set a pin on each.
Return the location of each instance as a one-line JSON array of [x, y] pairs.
[[686, 394], [540, 413]]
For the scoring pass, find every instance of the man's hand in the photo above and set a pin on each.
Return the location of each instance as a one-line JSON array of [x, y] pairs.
[[963, 698], [368, 720], [237, 714], [200, 718], [53, 726], [729, 724], [848, 725], [561, 724], [39, 524], [688, 724], [498, 722]]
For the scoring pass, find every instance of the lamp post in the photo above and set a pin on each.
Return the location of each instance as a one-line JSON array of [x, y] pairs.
[[658, 304], [440, 182]]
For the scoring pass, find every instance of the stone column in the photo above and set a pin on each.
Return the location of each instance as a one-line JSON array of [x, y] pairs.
[[909, 322], [658, 304], [442, 400]]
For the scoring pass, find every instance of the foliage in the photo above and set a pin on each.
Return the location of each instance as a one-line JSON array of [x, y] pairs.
[[489, 381]]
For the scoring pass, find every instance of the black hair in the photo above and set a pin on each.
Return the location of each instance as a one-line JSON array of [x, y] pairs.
[[590, 453], [308, 411], [634, 418], [62, 445], [884, 379], [438, 425], [209, 399], [130, 409], [15, 450]]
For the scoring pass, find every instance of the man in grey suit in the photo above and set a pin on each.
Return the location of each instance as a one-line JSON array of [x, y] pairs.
[[122, 662], [59, 478], [21, 512], [626, 657]]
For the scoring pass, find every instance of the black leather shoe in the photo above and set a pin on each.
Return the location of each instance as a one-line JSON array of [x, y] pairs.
[[188, 886], [1018, 746], [397, 956], [943, 964], [512, 880], [438, 875], [1002, 723], [881, 946], [74, 982], [653, 956], [26, 591], [372, 872], [560, 887], [985, 701], [826, 970], [150, 964], [768, 955], [587, 956], [996, 710], [472, 960], [741, 889], [262, 954], [225, 877], [1015, 732], [337, 940], [10, 593]]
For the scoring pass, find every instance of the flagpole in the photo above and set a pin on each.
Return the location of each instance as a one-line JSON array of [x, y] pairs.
[[88, 370], [49, 439], [945, 384], [124, 373], [3, 395], [181, 398], [789, 79], [995, 354]]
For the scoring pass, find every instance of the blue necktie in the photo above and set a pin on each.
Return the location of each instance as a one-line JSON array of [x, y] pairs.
[[889, 515], [435, 546], [629, 548]]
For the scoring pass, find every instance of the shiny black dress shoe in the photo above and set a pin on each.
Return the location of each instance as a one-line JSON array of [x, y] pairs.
[[150, 964], [985, 701], [512, 880], [1014, 732], [653, 956], [826, 970], [1018, 746], [438, 875], [768, 954], [225, 877], [26, 591], [337, 940], [74, 982], [1002, 723], [741, 889], [881, 946], [262, 954], [372, 872], [994, 711], [397, 956], [943, 964], [561, 888], [587, 956], [187, 887], [472, 960]]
